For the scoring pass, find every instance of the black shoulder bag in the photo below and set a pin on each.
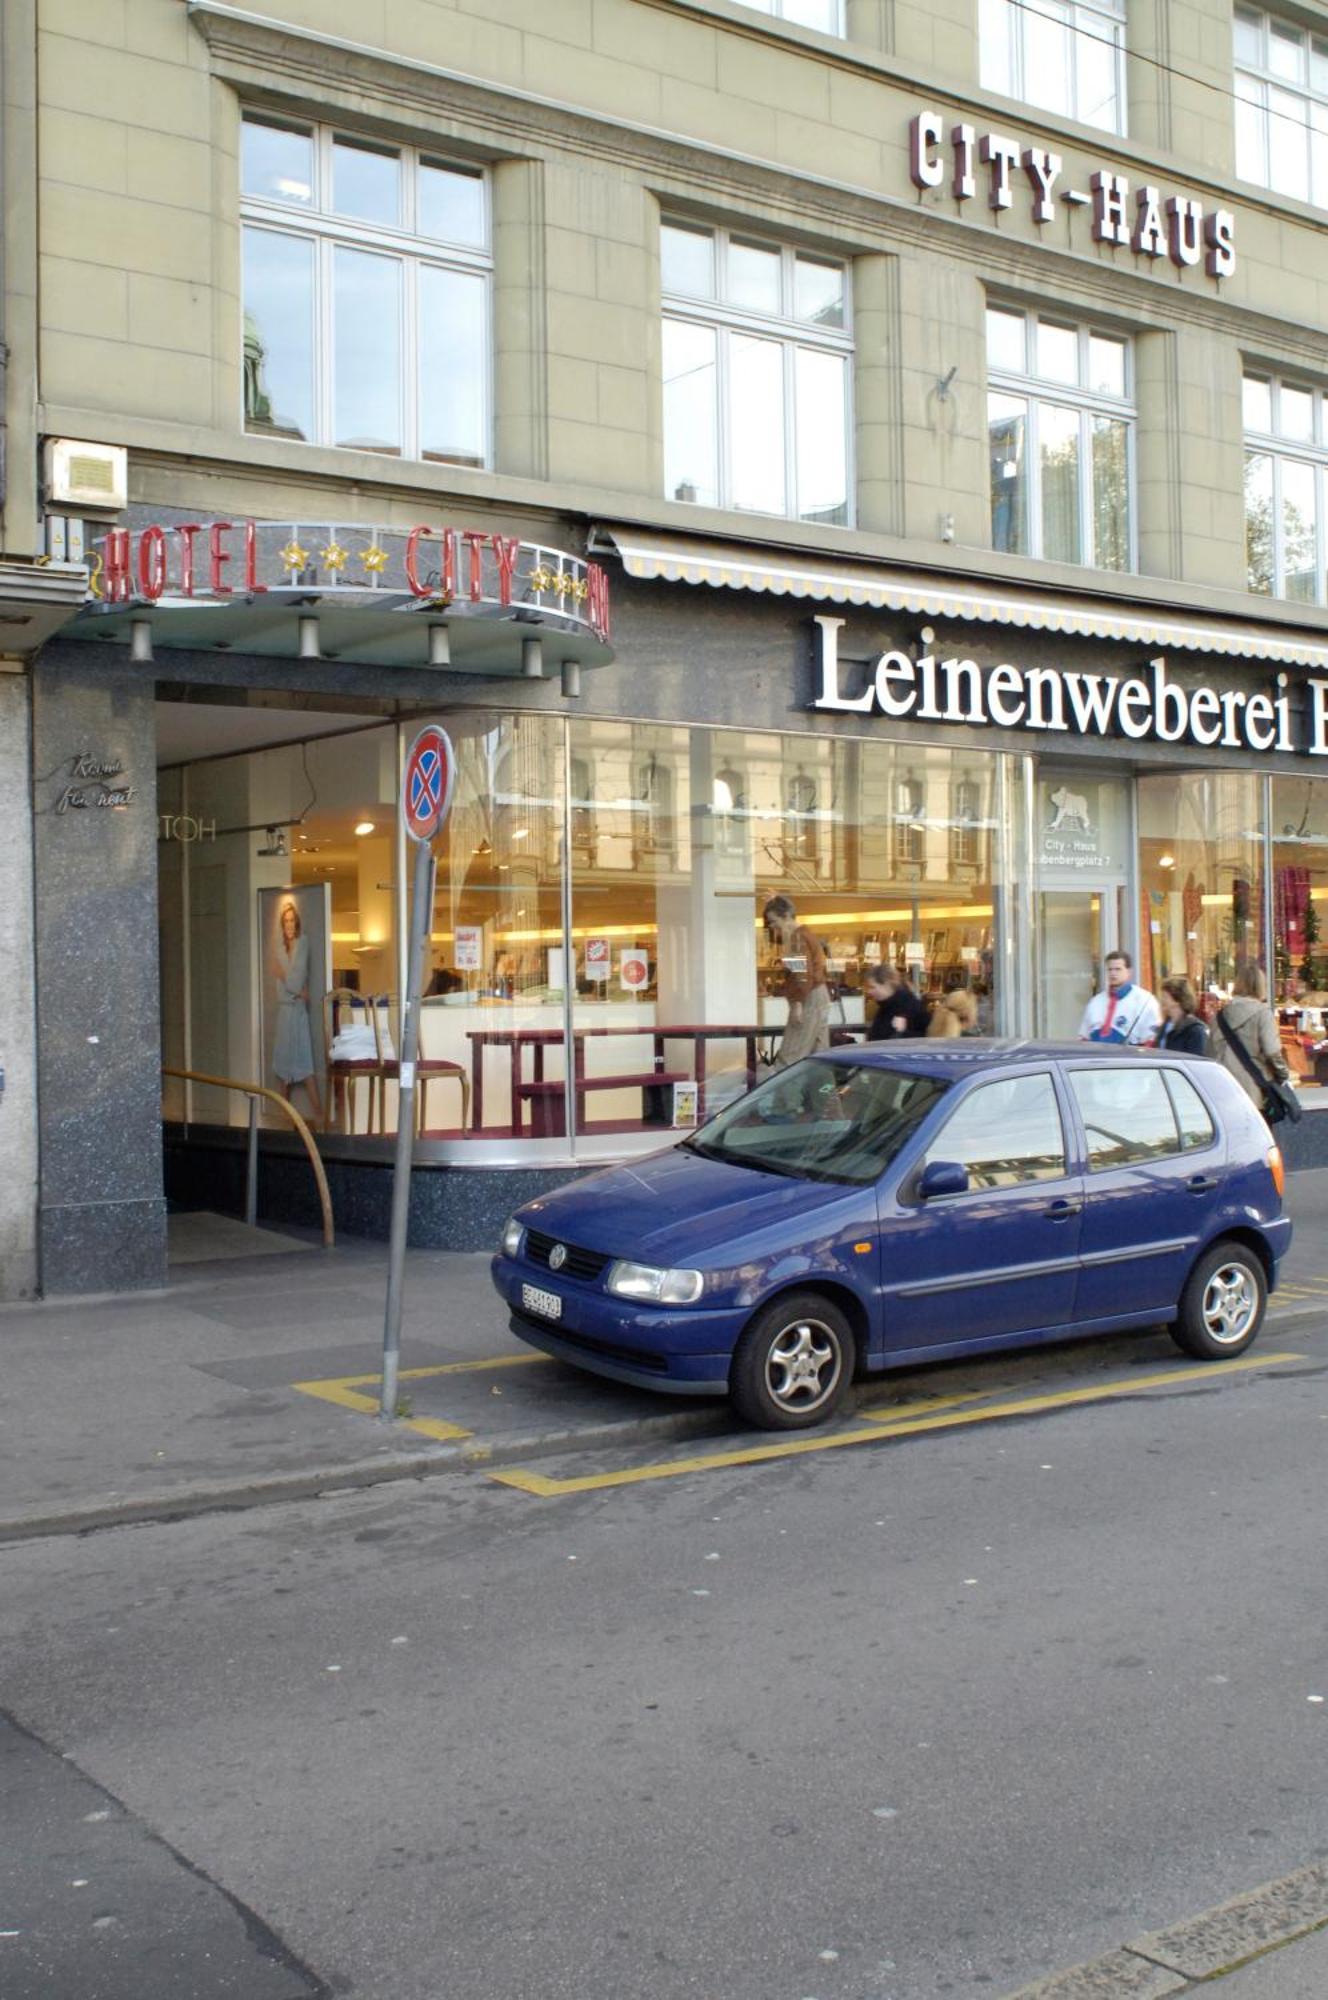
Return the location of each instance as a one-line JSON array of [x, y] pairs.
[[1279, 1099]]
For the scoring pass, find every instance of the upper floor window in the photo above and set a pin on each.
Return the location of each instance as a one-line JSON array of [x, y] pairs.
[[827, 15], [1281, 106], [366, 294], [1060, 422], [1286, 467], [1065, 55], [757, 375]]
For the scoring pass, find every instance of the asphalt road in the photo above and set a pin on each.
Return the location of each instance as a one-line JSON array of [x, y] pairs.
[[931, 1716]]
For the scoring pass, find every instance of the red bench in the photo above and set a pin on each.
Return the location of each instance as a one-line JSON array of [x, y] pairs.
[[548, 1119]]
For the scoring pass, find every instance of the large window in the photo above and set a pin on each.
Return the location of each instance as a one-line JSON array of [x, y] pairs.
[[1201, 866], [1286, 460], [1064, 56], [1060, 421], [366, 295], [827, 15], [757, 375], [1281, 105]]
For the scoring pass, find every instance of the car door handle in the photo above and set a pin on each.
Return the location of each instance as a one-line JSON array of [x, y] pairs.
[[1201, 1183], [1062, 1210]]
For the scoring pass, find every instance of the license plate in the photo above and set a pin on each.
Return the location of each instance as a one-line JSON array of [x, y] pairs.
[[536, 1301]]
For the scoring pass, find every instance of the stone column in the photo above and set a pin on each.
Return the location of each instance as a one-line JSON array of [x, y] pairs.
[[102, 1215], [18, 1043], [1190, 456], [1178, 80]]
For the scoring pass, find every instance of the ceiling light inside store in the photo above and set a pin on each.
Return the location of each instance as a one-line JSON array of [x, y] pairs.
[[362, 827], [1166, 860], [522, 833]]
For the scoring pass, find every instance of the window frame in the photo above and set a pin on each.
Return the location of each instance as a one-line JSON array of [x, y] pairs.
[[774, 11], [1036, 391], [1019, 14], [1260, 79], [319, 224], [724, 320], [1280, 449]]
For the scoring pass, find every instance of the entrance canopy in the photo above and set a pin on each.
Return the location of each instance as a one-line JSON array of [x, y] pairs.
[[440, 597], [735, 566]]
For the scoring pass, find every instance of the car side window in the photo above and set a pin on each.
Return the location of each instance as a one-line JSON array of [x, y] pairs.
[[1005, 1133], [1192, 1114], [1127, 1115]]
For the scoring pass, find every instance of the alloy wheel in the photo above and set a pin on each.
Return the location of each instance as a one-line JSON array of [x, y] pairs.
[[803, 1365], [1230, 1303]]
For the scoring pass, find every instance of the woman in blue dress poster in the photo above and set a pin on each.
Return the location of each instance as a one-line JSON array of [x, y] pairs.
[[292, 1046]]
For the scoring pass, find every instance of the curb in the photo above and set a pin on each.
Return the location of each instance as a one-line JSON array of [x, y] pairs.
[[227, 1497], [1199, 1949]]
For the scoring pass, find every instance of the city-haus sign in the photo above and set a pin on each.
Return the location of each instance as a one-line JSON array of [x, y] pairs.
[[1146, 220], [1145, 706]]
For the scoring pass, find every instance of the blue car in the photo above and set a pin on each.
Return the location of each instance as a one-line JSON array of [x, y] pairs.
[[877, 1206]]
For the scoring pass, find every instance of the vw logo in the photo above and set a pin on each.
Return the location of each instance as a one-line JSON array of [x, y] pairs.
[[557, 1256]]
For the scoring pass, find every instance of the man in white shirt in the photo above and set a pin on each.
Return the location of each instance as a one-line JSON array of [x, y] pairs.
[[1125, 1012]]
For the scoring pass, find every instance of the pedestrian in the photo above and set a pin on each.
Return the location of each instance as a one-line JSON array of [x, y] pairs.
[[1247, 1024], [801, 981], [1123, 1012], [899, 1009], [955, 1013], [1182, 1032]]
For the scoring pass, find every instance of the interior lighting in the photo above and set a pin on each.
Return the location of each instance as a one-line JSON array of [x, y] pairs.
[[364, 826], [1166, 860]]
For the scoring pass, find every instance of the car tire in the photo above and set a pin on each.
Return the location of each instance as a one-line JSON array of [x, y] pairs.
[[793, 1363], [1222, 1306]]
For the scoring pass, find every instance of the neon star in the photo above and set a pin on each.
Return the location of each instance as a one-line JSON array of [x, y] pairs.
[[374, 559], [333, 557], [293, 556]]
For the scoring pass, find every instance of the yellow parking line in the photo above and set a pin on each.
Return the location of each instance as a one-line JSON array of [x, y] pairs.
[[344, 1390], [887, 1413], [544, 1488]]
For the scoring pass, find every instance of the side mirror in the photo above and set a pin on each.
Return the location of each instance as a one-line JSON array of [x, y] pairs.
[[942, 1177]]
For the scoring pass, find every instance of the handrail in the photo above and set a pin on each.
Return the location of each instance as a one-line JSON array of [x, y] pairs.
[[253, 1091]]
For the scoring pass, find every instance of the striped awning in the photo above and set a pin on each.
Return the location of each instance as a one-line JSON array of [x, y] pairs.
[[739, 566]]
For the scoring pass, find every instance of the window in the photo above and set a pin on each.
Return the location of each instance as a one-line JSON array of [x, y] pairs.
[[1060, 423], [966, 810], [827, 15], [1281, 106], [1286, 463], [366, 295], [757, 356], [1127, 1116], [1061, 54], [910, 832], [1006, 1133], [1196, 1127]]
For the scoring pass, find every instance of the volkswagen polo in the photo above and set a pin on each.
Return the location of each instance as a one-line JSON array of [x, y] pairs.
[[871, 1207]]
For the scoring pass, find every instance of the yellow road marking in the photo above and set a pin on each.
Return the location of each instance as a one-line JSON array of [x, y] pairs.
[[544, 1488], [344, 1391], [888, 1412]]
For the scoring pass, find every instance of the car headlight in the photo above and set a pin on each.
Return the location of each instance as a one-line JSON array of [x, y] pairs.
[[513, 1237], [664, 1288]]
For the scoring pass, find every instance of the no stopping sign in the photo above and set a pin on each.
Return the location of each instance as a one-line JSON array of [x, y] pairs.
[[426, 783]]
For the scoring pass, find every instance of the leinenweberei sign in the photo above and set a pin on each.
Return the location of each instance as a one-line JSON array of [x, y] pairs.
[[1145, 706]]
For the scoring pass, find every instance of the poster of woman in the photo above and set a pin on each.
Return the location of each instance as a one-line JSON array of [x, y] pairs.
[[294, 937]]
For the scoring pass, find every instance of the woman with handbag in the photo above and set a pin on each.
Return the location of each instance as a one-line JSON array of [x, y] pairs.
[[1248, 1044]]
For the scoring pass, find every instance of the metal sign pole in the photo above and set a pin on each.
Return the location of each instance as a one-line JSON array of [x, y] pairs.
[[421, 914]]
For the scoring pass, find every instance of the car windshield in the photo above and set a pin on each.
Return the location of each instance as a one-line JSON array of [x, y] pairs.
[[821, 1121]]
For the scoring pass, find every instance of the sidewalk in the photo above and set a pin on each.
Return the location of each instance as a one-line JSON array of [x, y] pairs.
[[252, 1377]]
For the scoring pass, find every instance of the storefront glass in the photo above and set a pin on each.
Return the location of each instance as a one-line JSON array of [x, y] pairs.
[[1299, 823], [1201, 861], [625, 924]]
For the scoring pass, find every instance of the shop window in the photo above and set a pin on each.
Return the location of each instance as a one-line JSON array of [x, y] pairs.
[[757, 376], [1060, 419], [827, 15], [1281, 82], [967, 807], [366, 281], [1300, 919], [1063, 55], [1201, 860], [1286, 467], [910, 833], [802, 801]]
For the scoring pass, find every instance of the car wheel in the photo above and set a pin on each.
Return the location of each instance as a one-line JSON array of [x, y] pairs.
[[1221, 1308], [793, 1363]]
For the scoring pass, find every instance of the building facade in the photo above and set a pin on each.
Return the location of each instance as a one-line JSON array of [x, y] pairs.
[[865, 451]]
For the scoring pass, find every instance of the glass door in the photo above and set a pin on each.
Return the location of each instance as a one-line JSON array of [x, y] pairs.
[[1083, 862], [1077, 928]]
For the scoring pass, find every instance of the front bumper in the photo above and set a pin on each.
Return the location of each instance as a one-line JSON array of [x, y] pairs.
[[684, 1351]]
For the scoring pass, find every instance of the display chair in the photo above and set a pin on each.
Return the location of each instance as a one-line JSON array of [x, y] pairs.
[[344, 1008]]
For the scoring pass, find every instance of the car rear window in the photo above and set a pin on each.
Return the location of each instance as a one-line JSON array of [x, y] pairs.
[[1127, 1113], [1192, 1114]]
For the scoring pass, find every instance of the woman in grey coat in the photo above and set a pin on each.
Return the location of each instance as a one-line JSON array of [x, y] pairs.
[[1252, 1021]]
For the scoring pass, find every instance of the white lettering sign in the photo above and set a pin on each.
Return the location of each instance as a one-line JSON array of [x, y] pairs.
[[1137, 219], [1147, 706]]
